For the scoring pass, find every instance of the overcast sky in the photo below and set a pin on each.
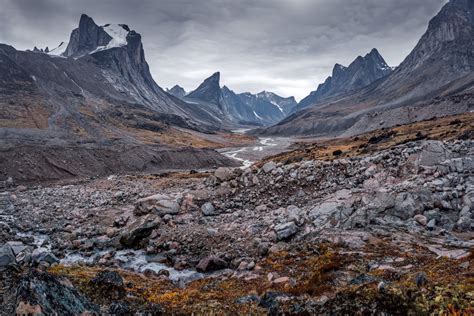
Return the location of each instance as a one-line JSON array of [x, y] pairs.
[[284, 46]]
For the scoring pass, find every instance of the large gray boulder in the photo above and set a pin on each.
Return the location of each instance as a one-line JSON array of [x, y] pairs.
[[224, 174], [405, 206], [433, 153], [159, 204], [41, 293], [138, 230], [211, 263]]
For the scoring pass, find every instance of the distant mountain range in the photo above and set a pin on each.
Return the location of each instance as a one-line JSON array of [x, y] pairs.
[[436, 79], [264, 108]]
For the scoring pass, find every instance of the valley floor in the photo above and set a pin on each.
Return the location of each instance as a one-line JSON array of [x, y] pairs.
[[378, 224]]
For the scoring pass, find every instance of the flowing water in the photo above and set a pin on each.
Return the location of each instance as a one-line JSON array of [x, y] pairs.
[[264, 146]]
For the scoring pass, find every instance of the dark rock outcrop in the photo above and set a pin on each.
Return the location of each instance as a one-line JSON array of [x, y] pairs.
[[41, 293], [86, 38]]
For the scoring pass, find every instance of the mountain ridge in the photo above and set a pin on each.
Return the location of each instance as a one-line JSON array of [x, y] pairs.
[[360, 73], [263, 108], [414, 91]]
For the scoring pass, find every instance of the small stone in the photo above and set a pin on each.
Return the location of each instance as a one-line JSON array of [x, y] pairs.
[[211, 263], [381, 286], [281, 280], [269, 166], [209, 210], [431, 224], [421, 279], [421, 219]]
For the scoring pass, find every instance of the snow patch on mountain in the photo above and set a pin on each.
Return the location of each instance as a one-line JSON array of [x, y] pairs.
[[58, 51], [118, 32]]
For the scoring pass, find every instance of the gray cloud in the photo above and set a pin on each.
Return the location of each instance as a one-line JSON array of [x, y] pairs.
[[285, 46]]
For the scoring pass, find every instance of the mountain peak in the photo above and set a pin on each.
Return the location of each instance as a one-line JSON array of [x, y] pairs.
[[209, 90], [360, 73], [452, 27], [177, 91], [216, 77], [85, 19], [86, 38]]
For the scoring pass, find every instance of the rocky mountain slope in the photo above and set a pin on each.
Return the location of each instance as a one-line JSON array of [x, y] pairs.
[[263, 108], [97, 95], [436, 79], [360, 73]]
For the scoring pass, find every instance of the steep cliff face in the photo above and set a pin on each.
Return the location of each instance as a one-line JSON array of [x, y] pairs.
[[436, 79], [209, 90], [86, 38], [360, 73]]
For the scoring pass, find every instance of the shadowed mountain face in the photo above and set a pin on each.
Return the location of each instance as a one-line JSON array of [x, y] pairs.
[[86, 38], [264, 108], [99, 102], [436, 79], [209, 90], [360, 73], [107, 79]]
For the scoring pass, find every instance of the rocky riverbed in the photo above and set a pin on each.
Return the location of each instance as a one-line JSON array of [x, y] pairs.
[[387, 231]]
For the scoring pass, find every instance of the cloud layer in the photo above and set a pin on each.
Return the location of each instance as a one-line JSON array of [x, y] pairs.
[[284, 46]]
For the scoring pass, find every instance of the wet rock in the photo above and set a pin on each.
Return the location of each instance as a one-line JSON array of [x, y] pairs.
[[211, 263], [164, 272], [40, 255], [41, 293], [17, 246], [286, 230], [7, 257], [137, 231]]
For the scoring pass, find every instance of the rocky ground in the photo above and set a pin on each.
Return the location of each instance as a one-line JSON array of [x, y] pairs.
[[382, 232]]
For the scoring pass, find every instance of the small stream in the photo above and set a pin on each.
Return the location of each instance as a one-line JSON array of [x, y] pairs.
[[135, 260], [264, 146], [129, 259]]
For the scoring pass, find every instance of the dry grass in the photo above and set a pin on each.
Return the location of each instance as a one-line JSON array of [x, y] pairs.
[[447, 128]]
